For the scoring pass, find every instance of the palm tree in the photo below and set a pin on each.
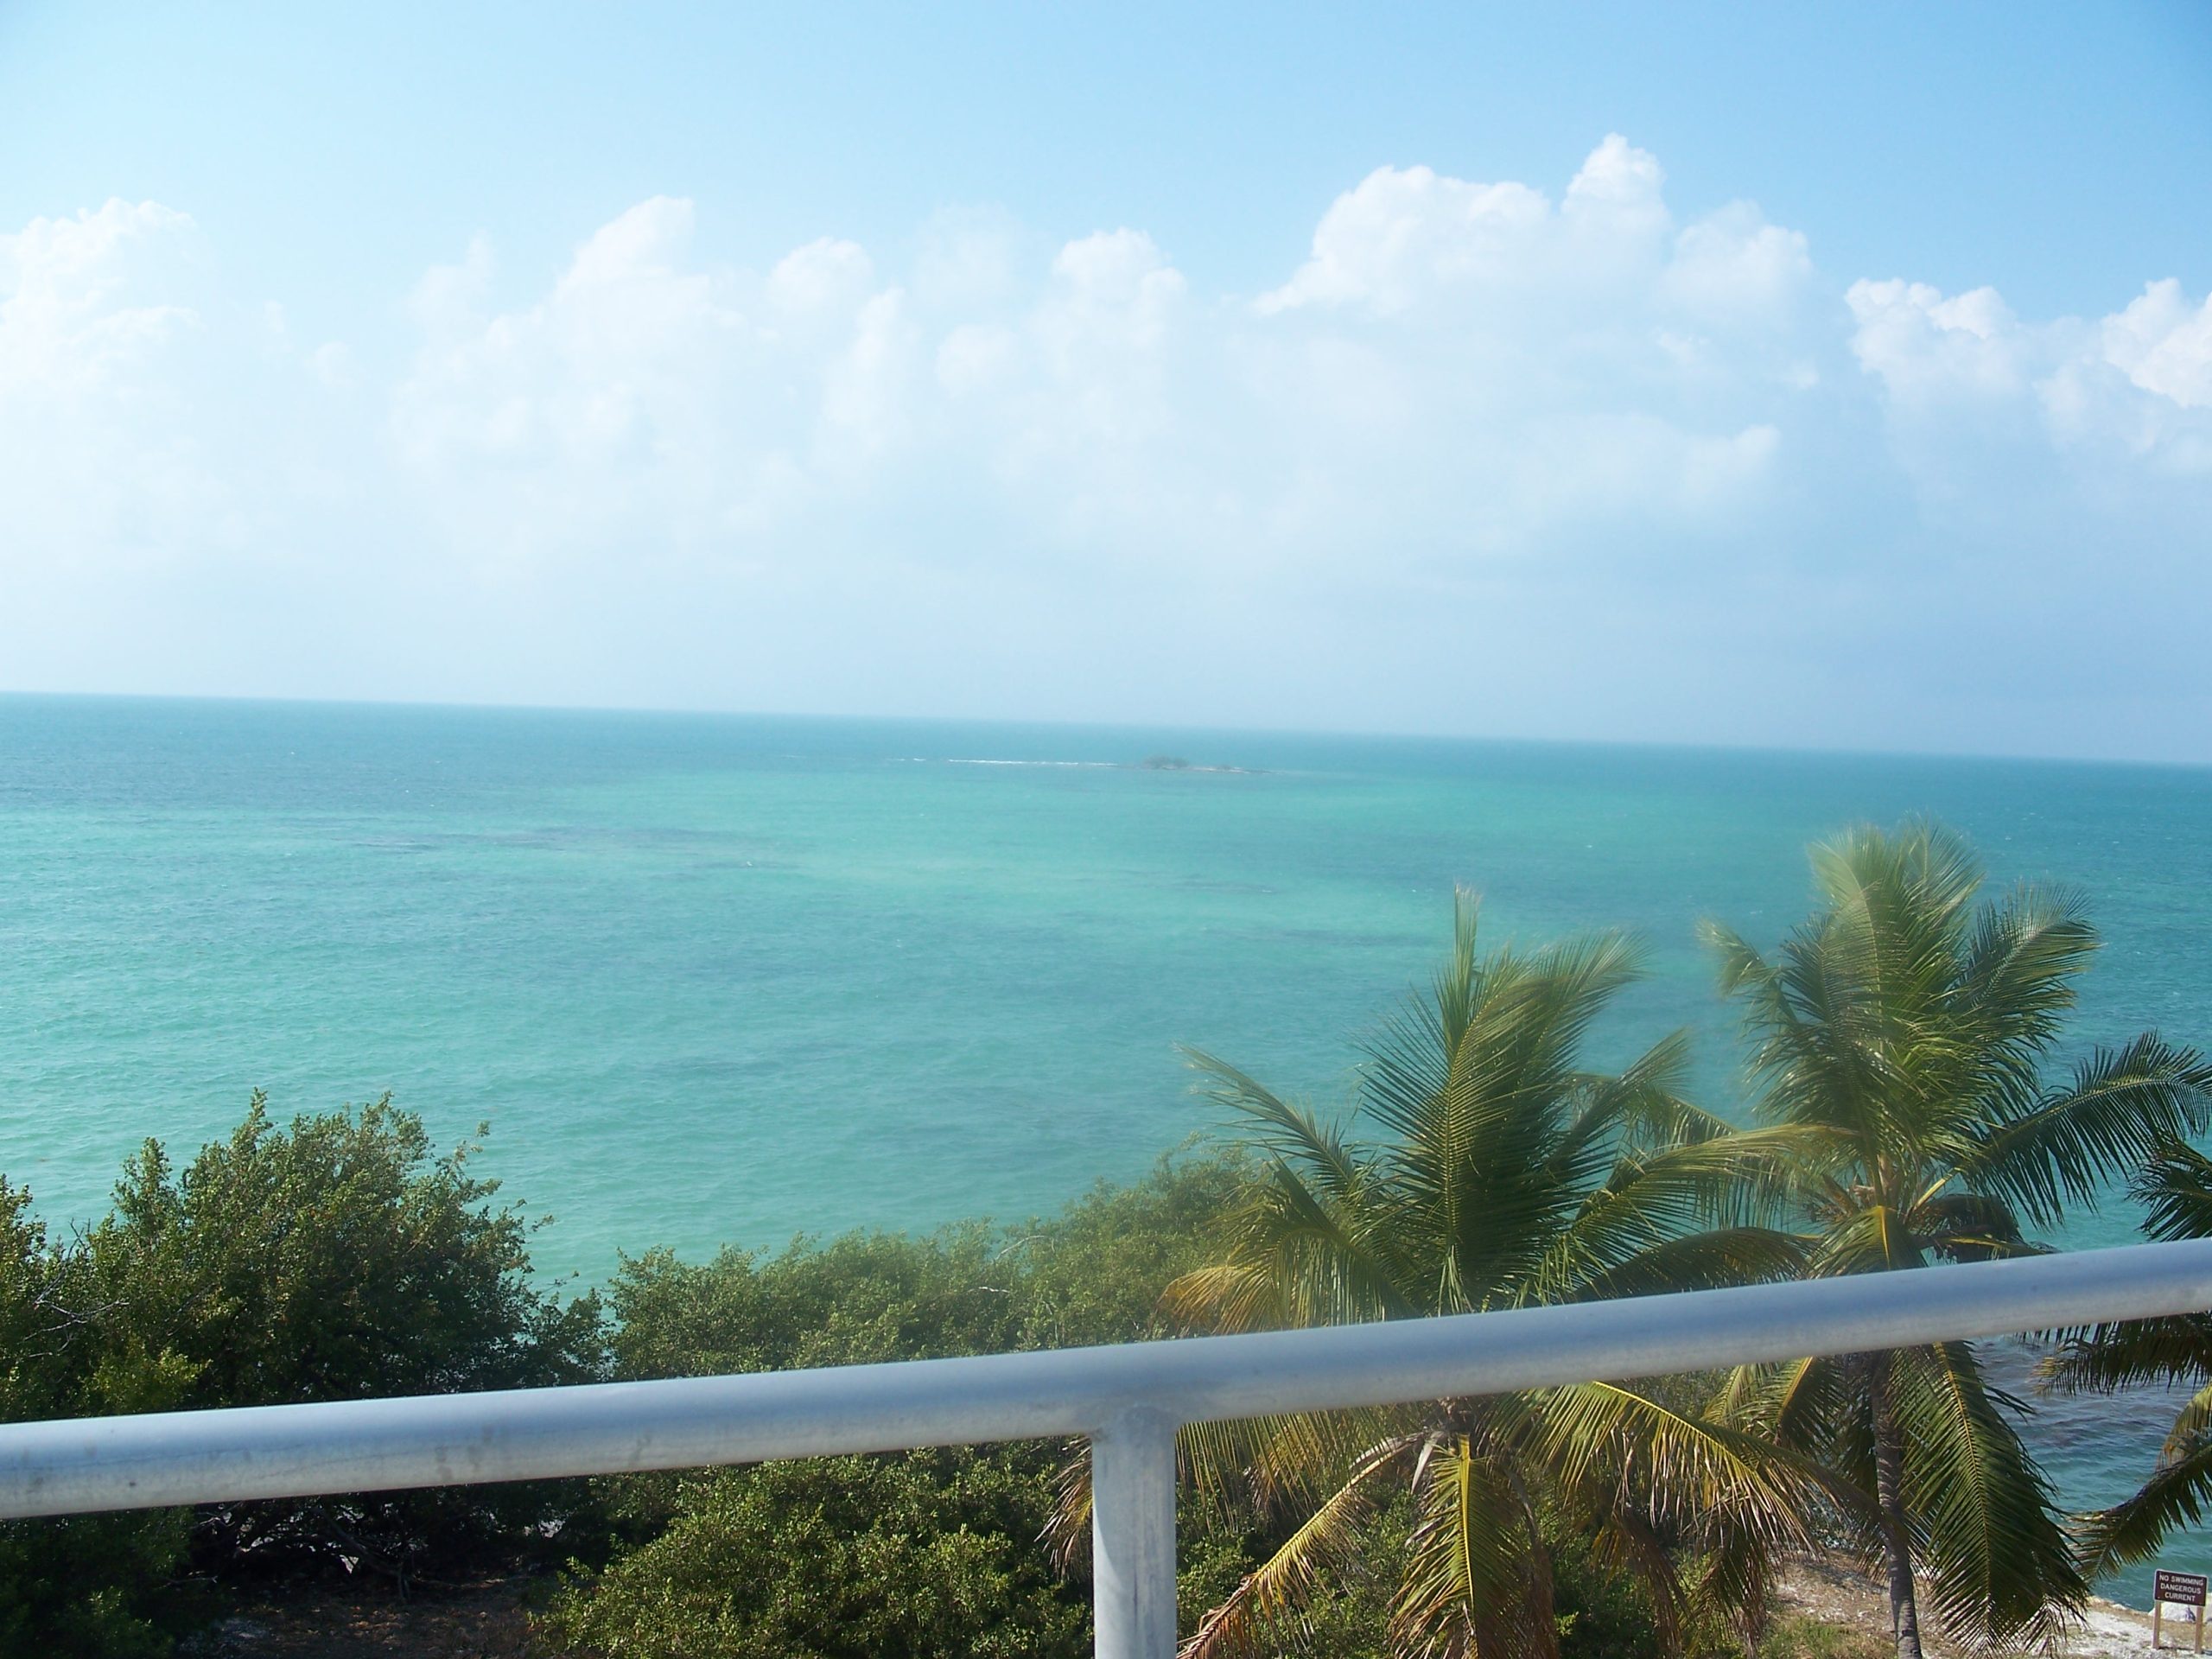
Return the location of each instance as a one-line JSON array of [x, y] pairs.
[[1507, 1175], [1899, 1040], [2175, 1189]]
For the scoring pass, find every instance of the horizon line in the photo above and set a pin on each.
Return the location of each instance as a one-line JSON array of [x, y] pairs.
[[1351, 734]]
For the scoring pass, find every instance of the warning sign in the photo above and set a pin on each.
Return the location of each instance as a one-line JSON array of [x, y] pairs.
[[2182, 1589], [2176, 1590]]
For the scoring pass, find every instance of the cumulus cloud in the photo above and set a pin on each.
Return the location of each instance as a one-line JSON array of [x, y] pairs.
[[2164, 345], [1482, 435], [1410, 240], [2140, 379], [1928, 347], [78, 309]]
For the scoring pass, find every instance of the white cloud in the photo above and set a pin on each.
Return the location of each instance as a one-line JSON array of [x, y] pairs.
[[870, 391], [1927, 347], [2138, 381], [630, 403], [79, 309], [1733, 268], [104, 464], [1619, 189], [2164, 345], [1480, 436], [826, 276], [1410, 240], [1405, 234]]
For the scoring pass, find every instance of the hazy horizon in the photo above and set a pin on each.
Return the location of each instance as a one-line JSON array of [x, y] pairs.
[[1165, 728]]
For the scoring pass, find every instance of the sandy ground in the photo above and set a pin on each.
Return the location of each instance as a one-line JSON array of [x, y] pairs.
[[1837, 1593]]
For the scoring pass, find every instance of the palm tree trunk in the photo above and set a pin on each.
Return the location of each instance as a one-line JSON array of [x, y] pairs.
[[1889, 1497]]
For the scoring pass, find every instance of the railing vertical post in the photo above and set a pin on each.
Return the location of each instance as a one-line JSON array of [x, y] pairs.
[[1133, 1536]]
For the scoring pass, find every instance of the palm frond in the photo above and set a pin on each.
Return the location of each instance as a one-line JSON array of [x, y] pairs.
[[1266, 1466], [1245, 1467], [1670, 1219], [2190, 1426], [1503, 1171], [1915, 881], [1709, 1261], [1749, 1177], [2130, 1354], [1226, 1298], [2178, 1494], [1477, 1578], [1067, 1529], [1603, 1439], [1626, 1541], [2019, 970], [1297, 1258], [2124, 1107], [1735, 1584], [1801, 1407], [1289, 1132], [1860, 1020], [1997, 1552], [1247, 1625], [1644, 1104], [1743, 970], [2175, 1189]]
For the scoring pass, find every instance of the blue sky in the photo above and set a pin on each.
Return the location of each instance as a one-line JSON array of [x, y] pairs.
[[1265, 366]]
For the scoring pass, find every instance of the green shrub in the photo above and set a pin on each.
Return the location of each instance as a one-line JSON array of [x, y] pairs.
[[333, 1258], [921, 1556], [89, 1585], [1091, 1274], [687, 1556], [862, 1298]]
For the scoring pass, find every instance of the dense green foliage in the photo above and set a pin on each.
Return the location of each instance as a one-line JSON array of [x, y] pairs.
[[934, 1553], [779, 1584], [931, 1554], [1091, 1274], [334, 1257], [89, 1584]]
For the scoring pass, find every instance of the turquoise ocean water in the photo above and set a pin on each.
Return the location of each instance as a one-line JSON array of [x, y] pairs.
[[719, 979]]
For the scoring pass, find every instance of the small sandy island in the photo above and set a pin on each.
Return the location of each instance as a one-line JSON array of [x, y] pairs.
[[1177, 763]]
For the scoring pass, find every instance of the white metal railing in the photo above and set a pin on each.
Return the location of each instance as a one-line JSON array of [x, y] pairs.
[[1128, 1399]]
